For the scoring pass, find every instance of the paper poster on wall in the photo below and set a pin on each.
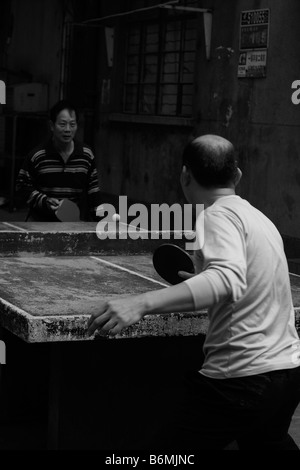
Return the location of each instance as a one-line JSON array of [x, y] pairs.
[[252, 64]]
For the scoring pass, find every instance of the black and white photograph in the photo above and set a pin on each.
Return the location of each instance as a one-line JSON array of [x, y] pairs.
[[150, 228]]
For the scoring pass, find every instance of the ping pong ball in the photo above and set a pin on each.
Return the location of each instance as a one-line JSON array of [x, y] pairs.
[[116, 217]]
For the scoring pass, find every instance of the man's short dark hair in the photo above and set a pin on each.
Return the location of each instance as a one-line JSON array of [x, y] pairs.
[[211, 159], [58, 107]]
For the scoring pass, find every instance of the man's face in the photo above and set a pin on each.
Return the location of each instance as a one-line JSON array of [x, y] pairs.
[[65, 127]]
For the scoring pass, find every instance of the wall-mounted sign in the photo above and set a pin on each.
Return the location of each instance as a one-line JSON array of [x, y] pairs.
[[252, 64], [254, 29]]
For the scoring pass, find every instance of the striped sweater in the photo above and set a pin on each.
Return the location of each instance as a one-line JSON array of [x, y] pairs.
[[45, 174]]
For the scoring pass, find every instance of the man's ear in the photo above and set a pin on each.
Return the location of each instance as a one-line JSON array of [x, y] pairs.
[[238, 177], [185, 176]]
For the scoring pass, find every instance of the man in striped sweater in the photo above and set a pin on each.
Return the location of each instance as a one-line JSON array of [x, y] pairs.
[[63, 168]]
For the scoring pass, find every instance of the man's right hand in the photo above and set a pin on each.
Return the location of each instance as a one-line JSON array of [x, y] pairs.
[[185, 275], [53, 204]]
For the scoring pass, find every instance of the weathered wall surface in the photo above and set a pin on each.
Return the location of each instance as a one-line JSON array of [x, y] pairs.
[[257, 115], [143, 162], [36, 43], [142, 159]]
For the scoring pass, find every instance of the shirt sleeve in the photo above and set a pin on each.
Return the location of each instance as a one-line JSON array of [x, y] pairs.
[[207, 289], [25, 186], [93, 190], [224, 258]]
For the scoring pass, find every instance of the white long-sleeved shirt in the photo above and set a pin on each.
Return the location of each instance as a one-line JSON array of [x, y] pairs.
[[251, 324]]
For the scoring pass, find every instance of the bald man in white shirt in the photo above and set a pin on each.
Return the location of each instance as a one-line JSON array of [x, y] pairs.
[[249, 385]]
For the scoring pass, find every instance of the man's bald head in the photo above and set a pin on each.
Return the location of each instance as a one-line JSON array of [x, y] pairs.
[[211, 159]]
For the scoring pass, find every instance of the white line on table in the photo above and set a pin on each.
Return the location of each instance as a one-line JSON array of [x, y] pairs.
[[121, 268], [293, 274], [137, 229], [14, 226]]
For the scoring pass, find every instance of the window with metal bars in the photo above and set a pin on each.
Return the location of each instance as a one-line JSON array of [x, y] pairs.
[[160, 64]]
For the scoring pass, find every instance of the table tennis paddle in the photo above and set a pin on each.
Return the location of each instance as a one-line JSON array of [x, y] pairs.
[[169, 259], [68, 211]]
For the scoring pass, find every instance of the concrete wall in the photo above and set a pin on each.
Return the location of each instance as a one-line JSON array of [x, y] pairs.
[[257, 115], [264, 123]]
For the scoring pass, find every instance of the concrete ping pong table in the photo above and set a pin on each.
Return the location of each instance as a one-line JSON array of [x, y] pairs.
[[52, 277]]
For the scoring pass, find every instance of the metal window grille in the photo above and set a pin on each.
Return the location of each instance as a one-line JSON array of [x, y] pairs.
[[160, 64]]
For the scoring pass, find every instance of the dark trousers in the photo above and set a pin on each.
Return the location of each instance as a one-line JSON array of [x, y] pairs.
[[254, 411]]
